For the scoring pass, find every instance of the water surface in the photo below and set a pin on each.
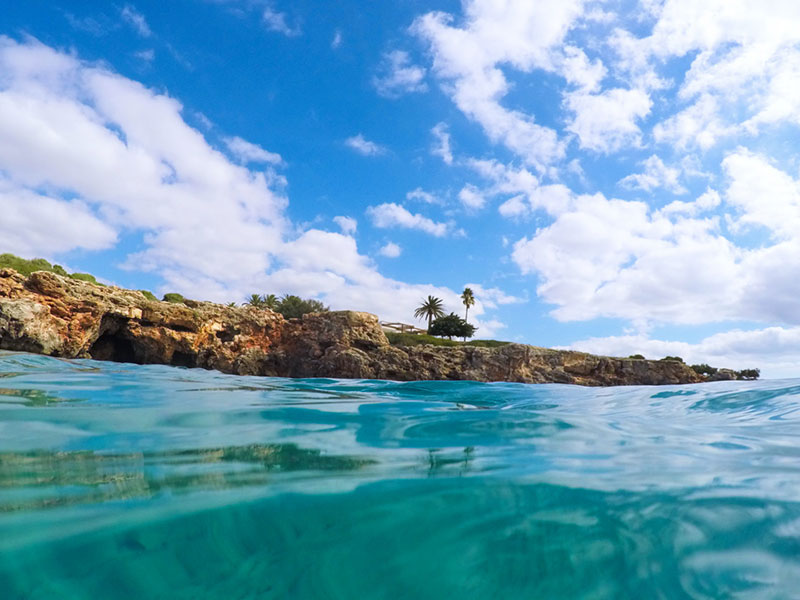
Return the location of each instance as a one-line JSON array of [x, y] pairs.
[[124, 481]]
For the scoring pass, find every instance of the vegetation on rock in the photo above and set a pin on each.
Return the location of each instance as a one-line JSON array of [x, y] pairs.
[[174, 298], [420, 339], [451, 326], [431, 308], [291, 307], [25, 267]]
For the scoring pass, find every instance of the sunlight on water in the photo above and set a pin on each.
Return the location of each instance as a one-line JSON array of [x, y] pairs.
[[126, 481]]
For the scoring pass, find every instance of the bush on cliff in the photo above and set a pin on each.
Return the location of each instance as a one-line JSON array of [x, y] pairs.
[[451, 326], [704, 369], [637, 356], [748, 374], [673, 359], [174, 298], [25, 267], [294, 307]]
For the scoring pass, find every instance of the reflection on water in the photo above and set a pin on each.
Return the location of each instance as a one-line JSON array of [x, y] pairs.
[[154, 482]]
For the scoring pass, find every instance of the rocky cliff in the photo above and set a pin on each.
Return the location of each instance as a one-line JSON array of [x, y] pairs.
[[49, 314]]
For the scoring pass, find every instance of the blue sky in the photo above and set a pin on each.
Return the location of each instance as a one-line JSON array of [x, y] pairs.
[[613, 176]]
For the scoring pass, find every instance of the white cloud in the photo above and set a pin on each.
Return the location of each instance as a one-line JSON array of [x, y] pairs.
[[606, 122], [136, 20], [118, 158], [709, 200], [399, 76], [337, 39], [471, 197], [656, 175], [520, 34], [763, 195], [442, 146], [390, 250], [363, 146], [247, 152], [394, 215], [745, 62], [348, 225], [276, 21], [36, 225], [423, 196], [123, 156]]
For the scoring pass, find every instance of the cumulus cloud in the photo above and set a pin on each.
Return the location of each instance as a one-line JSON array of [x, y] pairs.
[[398, 75], [471, 197], [117, 158], [363, 146], [469, 58], [247, 152], [422, 196], [607, 122], [390, 250], [655, 175], [348, 225], [394, 215]]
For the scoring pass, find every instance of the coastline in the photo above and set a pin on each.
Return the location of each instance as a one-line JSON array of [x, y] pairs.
[[47, 313]]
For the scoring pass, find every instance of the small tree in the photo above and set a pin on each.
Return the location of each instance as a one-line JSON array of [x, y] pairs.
[[451, 325], [174, 298], [637, 356], [673, 358], [749, 374], [255, 300], [431, 308], [294, 307], [704, 369]]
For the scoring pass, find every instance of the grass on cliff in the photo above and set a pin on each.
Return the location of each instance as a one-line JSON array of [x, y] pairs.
[[26, 267], [418, 339]]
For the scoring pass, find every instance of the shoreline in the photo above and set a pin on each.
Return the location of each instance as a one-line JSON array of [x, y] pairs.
[[47, 313]]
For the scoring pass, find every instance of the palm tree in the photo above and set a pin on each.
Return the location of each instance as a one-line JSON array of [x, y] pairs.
[[430, 309], [468, 298], [270, 301], [255, 300]]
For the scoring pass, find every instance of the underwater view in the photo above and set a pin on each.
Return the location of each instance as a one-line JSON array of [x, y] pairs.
[[131, 481]]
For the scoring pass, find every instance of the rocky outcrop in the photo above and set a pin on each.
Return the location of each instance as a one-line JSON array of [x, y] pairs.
[[54, 315]]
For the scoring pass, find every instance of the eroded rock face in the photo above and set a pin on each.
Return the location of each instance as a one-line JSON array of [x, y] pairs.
[[58, 316]]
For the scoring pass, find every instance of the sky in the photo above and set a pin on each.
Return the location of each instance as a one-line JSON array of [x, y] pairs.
[[611, 176]]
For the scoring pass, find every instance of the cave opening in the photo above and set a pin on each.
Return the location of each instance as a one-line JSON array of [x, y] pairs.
[[183, 359], [114, 347]]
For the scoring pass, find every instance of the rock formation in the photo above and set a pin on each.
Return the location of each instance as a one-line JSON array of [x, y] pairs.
[[50, 314]]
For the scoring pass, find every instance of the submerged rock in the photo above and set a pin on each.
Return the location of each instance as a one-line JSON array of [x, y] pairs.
[[50, 314]]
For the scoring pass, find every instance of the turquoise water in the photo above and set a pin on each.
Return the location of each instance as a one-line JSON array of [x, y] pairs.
[[122, 481]]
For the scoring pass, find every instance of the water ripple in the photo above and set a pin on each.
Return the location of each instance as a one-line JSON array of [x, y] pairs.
[[203, 485]]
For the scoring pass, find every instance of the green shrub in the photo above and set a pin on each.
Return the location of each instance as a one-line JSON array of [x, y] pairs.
[[748, 374], [637, 356], [451, 325], [294, 307], [84, 277], [23, 266], [673, 358], [149, 295], [174, 298], [417, 339], [26, 267], [704, 369]]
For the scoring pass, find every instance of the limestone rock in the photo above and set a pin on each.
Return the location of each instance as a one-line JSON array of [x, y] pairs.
[[50, 314]]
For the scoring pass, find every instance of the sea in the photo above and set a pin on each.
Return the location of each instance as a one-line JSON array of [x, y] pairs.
[[123, 481]]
